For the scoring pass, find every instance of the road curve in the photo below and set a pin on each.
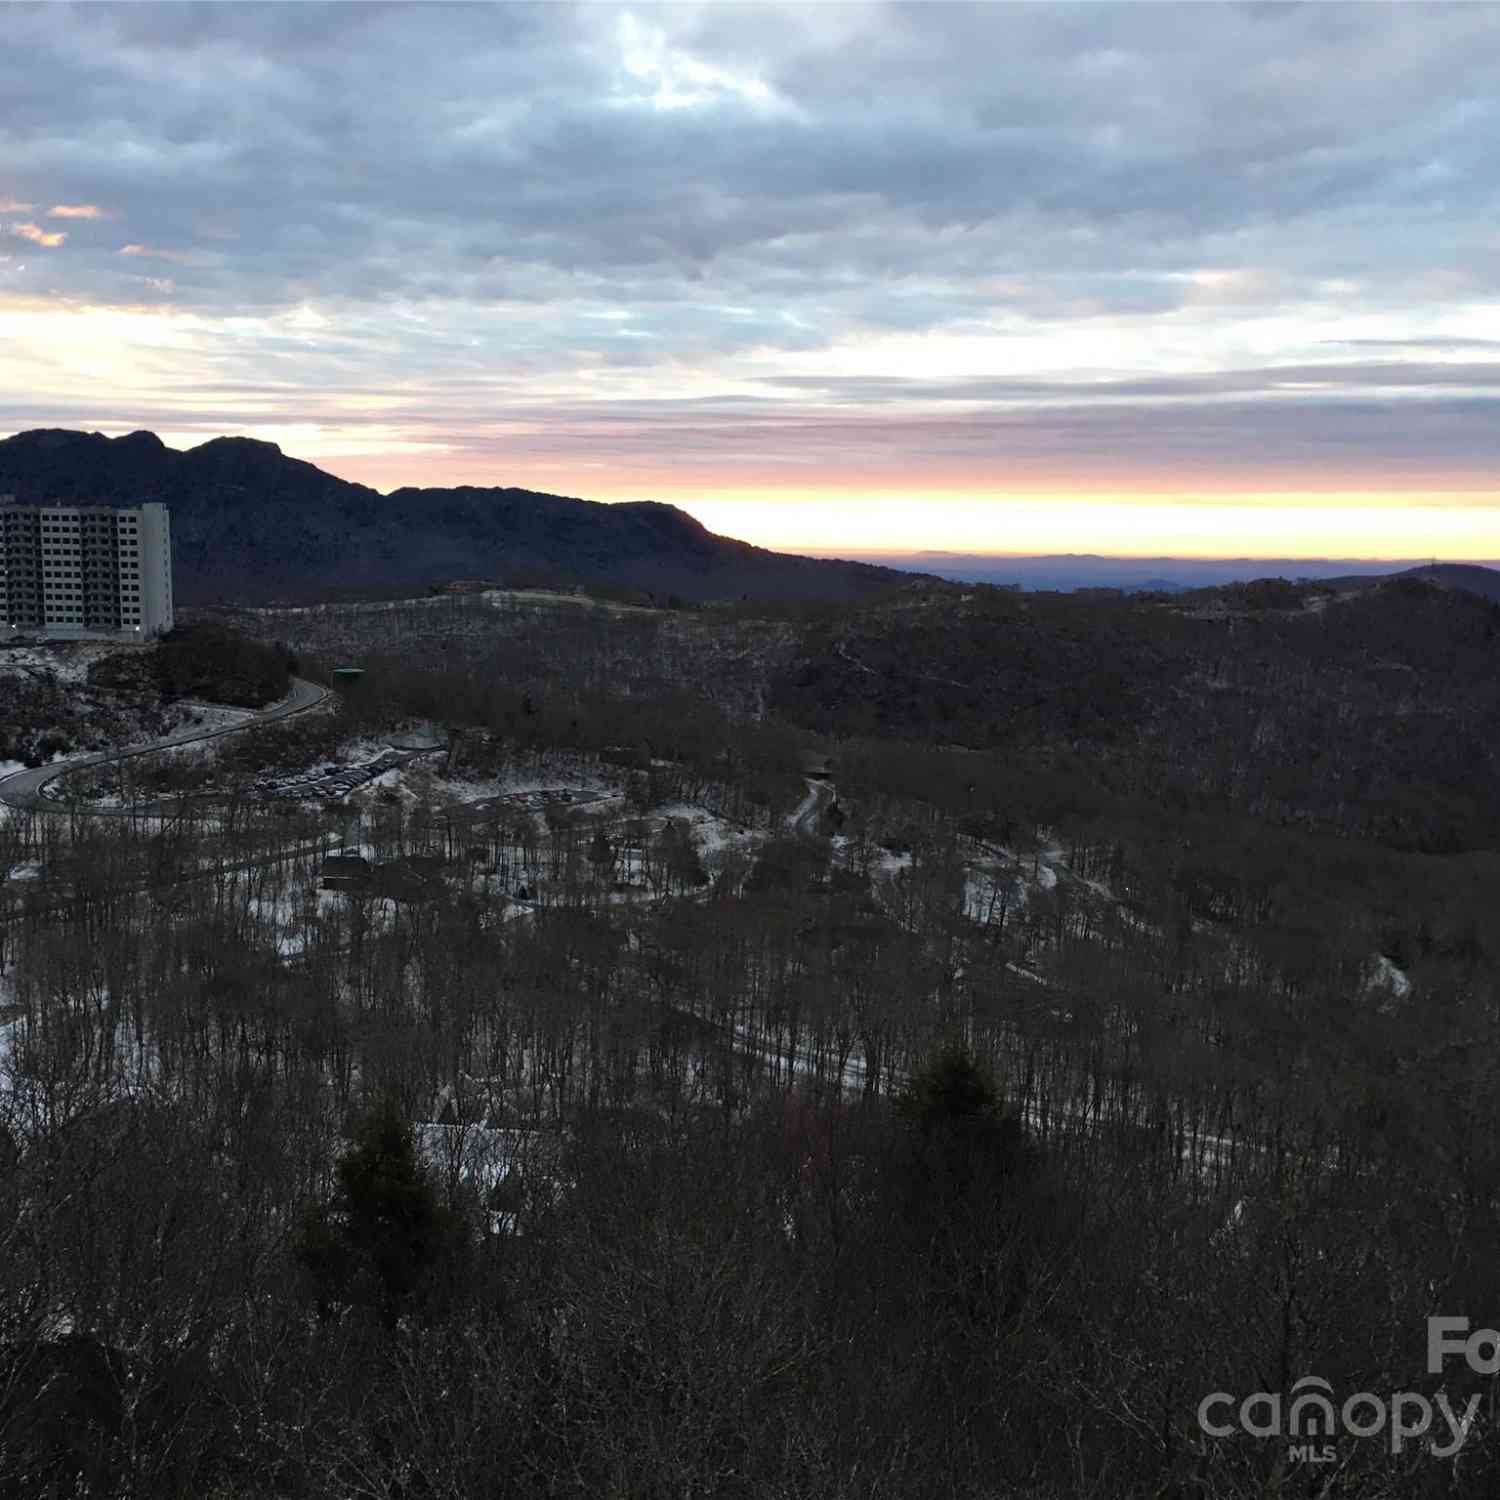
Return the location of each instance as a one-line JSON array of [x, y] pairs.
[[805, 819], [23, 789]]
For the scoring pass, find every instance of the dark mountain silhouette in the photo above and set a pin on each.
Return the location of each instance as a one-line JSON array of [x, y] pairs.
[[248, 519], [1472, 578]]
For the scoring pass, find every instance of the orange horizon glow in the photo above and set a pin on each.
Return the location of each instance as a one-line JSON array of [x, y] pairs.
[[1453, 523], [1122, 527], [791, 473]]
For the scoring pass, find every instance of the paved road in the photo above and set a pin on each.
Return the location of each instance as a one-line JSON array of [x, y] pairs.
[[24, 788], [805, 819]]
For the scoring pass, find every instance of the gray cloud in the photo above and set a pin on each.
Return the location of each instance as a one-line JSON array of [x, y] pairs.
[[1437, 443], [386, 151], [1283, 381], [487, 195]]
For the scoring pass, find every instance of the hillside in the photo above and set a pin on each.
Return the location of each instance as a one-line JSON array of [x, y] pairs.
[[1371, 712], [1470, 577], [1206, 884], [63, 697], [246, 518]]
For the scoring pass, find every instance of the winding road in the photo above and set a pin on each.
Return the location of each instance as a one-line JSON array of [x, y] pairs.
[[812, 808], [23, 789]]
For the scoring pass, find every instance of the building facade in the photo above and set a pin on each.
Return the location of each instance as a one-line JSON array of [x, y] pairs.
[[81, 570]]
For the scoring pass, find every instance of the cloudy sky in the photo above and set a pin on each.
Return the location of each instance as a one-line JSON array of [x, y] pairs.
[[1140, 278]]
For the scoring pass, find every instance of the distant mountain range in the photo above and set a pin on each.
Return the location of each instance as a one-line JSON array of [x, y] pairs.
[[1065, 572], [247, 520]]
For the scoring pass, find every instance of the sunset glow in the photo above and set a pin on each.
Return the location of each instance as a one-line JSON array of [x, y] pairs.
[[661, 253], [1117, 526]]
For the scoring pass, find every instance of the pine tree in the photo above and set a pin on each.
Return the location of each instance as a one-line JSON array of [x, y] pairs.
[[385, 1240]]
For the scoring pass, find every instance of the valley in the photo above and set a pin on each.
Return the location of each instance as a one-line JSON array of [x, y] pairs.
[[662, 930]]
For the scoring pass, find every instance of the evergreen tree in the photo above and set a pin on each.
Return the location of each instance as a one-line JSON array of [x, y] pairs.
[[385, 1240], [963, 1141]]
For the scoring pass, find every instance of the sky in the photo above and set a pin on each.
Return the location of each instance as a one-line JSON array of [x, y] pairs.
[[1142, 279]]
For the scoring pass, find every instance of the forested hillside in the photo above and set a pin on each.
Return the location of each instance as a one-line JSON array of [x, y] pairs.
[[248, 520], [623, 1111], [61, 697], [1371, 712]]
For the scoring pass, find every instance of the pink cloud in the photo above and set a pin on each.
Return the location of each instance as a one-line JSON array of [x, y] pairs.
[[14, 206], [154, 252], [75, 211], [48, 240]]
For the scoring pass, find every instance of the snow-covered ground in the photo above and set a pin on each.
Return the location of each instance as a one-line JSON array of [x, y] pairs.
[[989, 890], [495, 598], [711, 834], [192, 716], [133, 1068], [1384, 975], [548, 599], [197, 713], [1388, 974], [66, 661]]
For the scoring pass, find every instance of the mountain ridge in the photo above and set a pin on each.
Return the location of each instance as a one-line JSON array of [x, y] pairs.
[[1473, 578], [247, 517]]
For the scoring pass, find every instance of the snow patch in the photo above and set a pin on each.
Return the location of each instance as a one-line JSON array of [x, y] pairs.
[[1385, 975]]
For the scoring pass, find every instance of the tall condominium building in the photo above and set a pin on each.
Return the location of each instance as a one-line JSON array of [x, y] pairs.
[[78, 570]]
